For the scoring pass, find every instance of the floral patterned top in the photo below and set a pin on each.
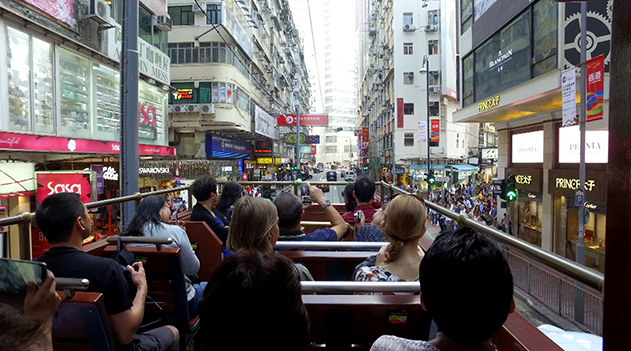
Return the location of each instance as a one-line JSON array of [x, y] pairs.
[[376, 274]]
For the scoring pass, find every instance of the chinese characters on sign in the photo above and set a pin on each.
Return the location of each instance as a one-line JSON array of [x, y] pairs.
[[595, 88], [434, 139], [399, 113], [305, 120], [568, 95]]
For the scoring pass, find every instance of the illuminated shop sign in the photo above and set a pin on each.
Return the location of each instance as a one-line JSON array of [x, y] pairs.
[[489, 104], [523, 179], [572, 183], [154, 170], [528, 147], [184, 94], [596, 145]]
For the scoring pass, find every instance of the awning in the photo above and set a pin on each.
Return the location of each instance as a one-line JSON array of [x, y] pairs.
[[425, 166], [462, 168]]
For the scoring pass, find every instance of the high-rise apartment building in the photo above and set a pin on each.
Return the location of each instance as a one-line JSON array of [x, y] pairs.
[[408, 80]]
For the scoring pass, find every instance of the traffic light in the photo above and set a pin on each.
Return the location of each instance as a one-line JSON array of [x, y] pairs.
[[431, 179], [508, 188]]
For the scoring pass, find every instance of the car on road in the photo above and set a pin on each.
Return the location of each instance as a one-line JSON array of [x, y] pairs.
[[323, 187], [349, 176], [331, 176], [320, 167]]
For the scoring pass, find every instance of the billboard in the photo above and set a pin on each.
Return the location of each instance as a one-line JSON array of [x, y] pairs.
[[315, 120], [434, 139], [527, 147], [595, 99], [221, 147], [62, 10], [49, 183], [264, 124], [399, 113]]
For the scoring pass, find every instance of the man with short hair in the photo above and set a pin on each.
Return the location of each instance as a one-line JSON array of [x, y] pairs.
[[290, 213], [364, 194], [466, 318], [65, 222]]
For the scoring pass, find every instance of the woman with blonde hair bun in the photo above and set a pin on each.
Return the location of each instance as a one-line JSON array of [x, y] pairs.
[[404, 223]]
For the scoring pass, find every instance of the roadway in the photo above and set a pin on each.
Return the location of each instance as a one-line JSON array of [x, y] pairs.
[[335, 191]]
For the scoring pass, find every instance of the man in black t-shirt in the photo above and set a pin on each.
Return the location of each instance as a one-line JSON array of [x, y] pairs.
[[64, 220]]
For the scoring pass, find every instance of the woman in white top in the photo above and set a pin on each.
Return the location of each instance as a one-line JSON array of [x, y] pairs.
[[150, 220], [404, 223]]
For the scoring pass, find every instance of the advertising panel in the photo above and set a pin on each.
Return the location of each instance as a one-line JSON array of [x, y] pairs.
[[263, 148], [365, 140], [26, 142], [595, 99], [264, 124], [221, 147], [399, 113], [596, 145], [434, 139], [527, 147], [290, 138], [312, 139], [58, 9], [315, 120], [17, 179], [568, 95], [49, 183], [421, 130]]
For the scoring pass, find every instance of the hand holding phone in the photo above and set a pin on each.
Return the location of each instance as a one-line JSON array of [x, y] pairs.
[[17, 273], [44, 302]]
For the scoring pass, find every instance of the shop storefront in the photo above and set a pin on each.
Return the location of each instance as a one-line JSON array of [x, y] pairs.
[[17, 192], [529, 204], [562, 185]]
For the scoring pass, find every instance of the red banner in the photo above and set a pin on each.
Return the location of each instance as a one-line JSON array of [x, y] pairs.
[[365, 140], [13, 141], [399, 113], [319, 120], [595, 100], [434, 132]]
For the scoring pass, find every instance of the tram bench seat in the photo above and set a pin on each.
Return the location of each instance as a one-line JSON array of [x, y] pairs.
[[518, 334], [165, 288], [81, 324], [356, 321], [329, 265], [207, 246], [313, 213]]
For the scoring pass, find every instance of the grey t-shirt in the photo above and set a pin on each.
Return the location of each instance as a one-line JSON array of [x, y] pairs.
[[395, 343]]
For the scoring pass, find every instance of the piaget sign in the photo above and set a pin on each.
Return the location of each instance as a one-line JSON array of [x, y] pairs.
[[152, 62]]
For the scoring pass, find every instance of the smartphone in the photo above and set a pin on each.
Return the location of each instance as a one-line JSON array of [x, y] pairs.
[[358, 216], [177, 222], [17, 273], [304, 191]]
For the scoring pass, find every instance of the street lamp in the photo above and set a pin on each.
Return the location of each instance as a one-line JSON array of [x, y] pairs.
[[425, 70]]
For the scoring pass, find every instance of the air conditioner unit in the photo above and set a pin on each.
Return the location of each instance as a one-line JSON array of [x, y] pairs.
[[99, 11], [179, 108], [171, 108], [431, 28], [434, 89], [163, 23], [192, 108], [199, 9], [207, 109], [408, 28]]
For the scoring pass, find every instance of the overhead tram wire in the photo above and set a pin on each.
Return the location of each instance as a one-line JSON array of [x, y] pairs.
[[247, 67], [315, 56]]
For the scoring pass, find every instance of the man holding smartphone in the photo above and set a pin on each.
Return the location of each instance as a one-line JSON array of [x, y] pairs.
[[290, 212], [65, 222]]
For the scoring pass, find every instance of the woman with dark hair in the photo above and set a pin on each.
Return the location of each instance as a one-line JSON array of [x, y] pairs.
[[230, 193], [151, 220], [349, 201], [204, 189]]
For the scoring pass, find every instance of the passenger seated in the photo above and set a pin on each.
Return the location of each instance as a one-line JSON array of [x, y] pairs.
[[151, 221], [29, 328], [404, 223], [371, 232], [467, 288], [255, 227], [290, 212], [253, 301], [204, 189], [65, 222], [364, 195], [230, 193]]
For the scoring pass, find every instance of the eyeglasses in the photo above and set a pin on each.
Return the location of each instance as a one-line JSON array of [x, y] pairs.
[[416, 196]]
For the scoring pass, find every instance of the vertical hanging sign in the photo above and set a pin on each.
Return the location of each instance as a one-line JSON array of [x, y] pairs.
[[434, 132], [399, 113], [568, 96], [421, 130], [365, 140], [595, 100]]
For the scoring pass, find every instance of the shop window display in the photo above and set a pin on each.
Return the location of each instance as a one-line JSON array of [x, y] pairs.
[[530, 214], [151, 107], [594, 235], [43, 87], [74, 81], [107, 90], [18, 73]]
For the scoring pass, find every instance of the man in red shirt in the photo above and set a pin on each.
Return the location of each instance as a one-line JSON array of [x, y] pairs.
[[364, 194]]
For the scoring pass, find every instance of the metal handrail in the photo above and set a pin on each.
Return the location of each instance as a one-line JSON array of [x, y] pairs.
[[353, 287], [335, 245], [576, 271]]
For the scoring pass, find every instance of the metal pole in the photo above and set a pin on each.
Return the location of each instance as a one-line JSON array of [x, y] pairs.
[[297, 137], [580, 246], [429, 163], [129, 162]]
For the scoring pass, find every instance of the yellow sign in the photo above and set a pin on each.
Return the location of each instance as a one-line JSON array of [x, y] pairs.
[[523, 179], [264, 160], [489, 104], [574, 183], [278, 161]]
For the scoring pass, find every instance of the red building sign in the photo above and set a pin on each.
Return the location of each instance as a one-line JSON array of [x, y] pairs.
[[400, 113]]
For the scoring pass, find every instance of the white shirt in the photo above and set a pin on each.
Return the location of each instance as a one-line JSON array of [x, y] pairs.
[[395, 343]]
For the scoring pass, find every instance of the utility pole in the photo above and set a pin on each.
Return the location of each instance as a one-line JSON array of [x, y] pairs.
[[129, 162]]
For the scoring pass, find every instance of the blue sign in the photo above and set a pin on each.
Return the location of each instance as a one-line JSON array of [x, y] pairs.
[[240, 163], [220, 147], [312, 139]]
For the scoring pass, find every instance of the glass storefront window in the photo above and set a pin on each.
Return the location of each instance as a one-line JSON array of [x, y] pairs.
[[594, 235], [74, 82], [152, 103], [18, 74], [145, 25], [107, 100], [530, 212], [43, 88]]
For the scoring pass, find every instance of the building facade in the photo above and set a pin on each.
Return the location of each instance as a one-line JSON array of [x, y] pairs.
[[236, 65], [399, 97], [513, 57]]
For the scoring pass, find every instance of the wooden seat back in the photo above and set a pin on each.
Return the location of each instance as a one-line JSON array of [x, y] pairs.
[[313, 213], [81, 324], [329, 265], [356, 321], [166, 289], [207, 247]]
